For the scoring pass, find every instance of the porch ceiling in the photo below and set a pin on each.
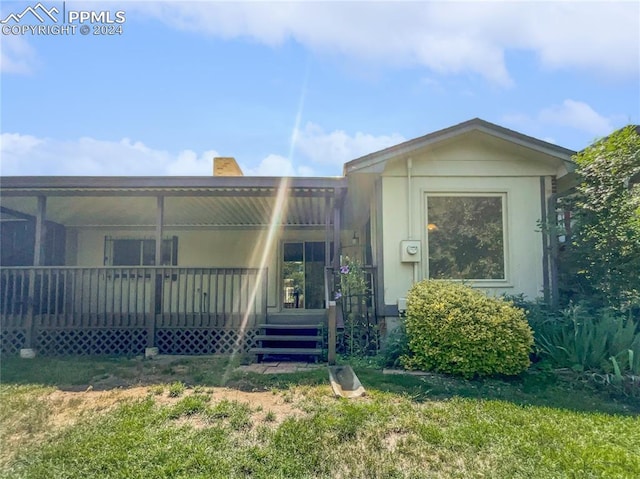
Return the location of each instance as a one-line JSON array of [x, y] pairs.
[[305, 206]]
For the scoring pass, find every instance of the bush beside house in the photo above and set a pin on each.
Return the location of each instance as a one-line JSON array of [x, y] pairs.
[[452, 328]]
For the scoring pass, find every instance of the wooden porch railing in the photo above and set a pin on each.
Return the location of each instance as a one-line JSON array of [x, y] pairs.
[[183, 310]]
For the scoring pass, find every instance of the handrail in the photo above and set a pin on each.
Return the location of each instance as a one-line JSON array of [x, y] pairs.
[[104, 291]]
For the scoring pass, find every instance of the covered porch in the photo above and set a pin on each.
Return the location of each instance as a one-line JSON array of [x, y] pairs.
[[185, 265]]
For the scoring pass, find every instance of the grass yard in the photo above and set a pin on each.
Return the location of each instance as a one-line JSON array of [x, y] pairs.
[[196, 417]]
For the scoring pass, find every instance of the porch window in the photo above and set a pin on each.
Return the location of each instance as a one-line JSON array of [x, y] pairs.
[[466, 236], [139, 252]]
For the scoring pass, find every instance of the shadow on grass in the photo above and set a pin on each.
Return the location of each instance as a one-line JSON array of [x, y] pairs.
[[105, 373], [535, 388]]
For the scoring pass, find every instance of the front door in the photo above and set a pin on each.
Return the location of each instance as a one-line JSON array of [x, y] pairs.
[[303, 275]]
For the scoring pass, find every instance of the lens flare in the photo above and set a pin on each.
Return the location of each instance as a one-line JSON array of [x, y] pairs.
[[263, 250], [264, 246]]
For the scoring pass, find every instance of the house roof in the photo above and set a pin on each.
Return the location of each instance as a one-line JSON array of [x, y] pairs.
[[476, 124], [163, 185], [189, 201]]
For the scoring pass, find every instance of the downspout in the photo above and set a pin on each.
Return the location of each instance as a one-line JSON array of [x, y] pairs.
[[410, 211]]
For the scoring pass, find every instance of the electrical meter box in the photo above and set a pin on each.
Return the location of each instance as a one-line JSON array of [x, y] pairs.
[[410, 251], [402, 306]]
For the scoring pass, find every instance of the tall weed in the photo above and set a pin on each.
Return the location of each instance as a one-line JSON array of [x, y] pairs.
[[585, 340]]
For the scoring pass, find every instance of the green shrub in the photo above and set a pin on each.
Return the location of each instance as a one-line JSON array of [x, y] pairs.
[[396, 346], [455, 329]]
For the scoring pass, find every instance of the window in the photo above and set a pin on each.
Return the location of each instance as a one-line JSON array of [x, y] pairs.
[[466, 237], [139, 252]]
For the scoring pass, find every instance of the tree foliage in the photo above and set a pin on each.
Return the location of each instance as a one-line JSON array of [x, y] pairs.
[[465, 237], [602, 261]]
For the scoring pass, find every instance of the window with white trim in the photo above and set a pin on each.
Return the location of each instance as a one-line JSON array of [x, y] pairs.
[[139, 252], [465, 236]]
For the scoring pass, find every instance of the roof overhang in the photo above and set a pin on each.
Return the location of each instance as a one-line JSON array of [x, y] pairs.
[[222, 202], [375, 162], [165, 186]]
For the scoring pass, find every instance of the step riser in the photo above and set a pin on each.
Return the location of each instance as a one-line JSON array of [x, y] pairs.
[[292, 337], [309, 318], [285, 327], [300, 339], [287, 351]]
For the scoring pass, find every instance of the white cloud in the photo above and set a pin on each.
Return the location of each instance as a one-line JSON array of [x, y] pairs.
[[276, 165], [447, 38], [16, 55], [188, 163], [573, 114], [337, 147], [578, 115], [28, 155]]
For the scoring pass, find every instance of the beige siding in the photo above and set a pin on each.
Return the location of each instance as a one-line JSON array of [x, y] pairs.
[[458, 169], [477, 156], [205, 248]]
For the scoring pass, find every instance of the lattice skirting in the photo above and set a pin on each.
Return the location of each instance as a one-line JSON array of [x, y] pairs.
[[128, 342], [90, 342], [204, 341], [12, 341]]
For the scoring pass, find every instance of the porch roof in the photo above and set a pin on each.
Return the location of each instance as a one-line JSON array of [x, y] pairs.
[[189, 201], [164, 185]]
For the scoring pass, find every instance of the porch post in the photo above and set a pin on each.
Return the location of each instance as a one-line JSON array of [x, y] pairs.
[[159, 226], [38, 259], [332, 333], [328, 286], [156, 281], [336, 232], [379, 260], [38, 253], [327, 234]]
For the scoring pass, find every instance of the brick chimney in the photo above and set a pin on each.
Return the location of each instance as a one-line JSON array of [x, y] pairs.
[[226, 166]]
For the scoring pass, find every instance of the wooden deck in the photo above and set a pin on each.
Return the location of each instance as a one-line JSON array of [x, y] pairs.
[[123, 310]]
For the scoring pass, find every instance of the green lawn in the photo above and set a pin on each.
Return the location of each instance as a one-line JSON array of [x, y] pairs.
[[538, 425]]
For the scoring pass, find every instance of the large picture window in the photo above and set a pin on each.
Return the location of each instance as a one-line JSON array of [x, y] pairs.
[[466, 237], [139, 252]]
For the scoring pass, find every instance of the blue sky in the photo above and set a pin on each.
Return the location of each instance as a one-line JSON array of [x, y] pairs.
[[299, 88]]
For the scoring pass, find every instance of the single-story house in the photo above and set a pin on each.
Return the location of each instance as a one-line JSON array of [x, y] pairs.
[[192, 265]]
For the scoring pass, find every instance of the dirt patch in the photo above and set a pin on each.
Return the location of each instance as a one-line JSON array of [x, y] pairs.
[[66, 408]]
